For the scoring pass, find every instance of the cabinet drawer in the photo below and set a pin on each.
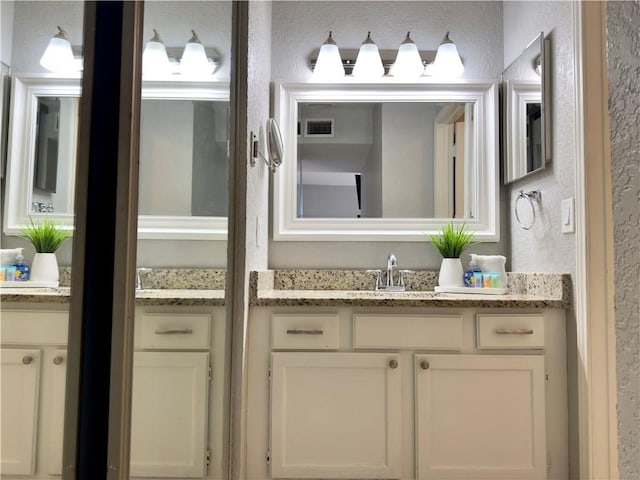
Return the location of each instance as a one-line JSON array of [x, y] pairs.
[[175, 332], [309, 331], [34, 327], [433, 332], [510, 331]]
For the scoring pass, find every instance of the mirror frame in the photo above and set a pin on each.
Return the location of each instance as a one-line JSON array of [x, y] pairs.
[[516, 95], [22, 132], [485, 191]]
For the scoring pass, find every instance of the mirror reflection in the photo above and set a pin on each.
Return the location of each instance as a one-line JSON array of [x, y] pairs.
[[383, 159], [525, 119]]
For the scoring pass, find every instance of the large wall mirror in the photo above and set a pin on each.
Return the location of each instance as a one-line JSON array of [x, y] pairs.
[[385, 161], [526, 114], [183, 156]]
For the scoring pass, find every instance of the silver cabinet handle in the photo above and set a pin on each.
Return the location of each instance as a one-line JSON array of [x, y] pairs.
[[27, 359], [424, 364], [514, 331], [393, 363], [175, 331], [302, 331], [58, 359]]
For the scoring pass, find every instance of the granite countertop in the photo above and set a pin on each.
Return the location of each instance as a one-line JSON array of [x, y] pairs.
[[318, 288]]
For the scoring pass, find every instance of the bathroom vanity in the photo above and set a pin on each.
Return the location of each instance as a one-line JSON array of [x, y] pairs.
[[361, 384], [179, 379]]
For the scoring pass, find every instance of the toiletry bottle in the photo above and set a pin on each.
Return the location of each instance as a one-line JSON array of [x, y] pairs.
[[22, 269], [469, 275]]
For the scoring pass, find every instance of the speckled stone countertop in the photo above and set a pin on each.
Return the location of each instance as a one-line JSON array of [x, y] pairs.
[[355, 288]]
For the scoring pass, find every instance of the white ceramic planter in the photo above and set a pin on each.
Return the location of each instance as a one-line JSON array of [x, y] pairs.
[[44, 268], [451, 273]]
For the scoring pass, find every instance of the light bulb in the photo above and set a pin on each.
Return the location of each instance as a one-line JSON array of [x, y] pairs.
[[155, 61], [58, 56], [408, 63], [194, 60], [447, 62], [329, 63], [368, 62]]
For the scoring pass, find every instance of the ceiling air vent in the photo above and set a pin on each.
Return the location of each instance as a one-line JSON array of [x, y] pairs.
[[318, 128]]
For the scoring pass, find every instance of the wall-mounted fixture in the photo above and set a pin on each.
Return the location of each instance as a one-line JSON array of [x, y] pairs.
[[58, 57], [531, 196], [275, 149], [408, 62], [329, 64], [368, 62], [196, 61]]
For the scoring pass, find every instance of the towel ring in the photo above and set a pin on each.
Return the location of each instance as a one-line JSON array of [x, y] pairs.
[[531, 196]]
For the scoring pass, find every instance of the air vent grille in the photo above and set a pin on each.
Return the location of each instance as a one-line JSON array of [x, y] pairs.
[[318, 128]]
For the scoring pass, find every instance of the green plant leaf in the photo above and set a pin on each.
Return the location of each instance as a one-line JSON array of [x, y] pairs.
[[452, 240], [45, 235]]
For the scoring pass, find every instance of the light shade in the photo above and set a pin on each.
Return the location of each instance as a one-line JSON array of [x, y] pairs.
[[368, 62], [58, 56], [408, 63], [155, 61], [329, 63], [194, 59], [447, 62]]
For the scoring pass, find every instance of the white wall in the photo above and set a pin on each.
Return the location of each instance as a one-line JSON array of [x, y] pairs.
[[300, 27], [623, 53], [6, 29], [35, 23]]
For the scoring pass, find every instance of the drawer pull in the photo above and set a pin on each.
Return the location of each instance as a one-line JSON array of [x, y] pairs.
[[393, 363], [175, 331], [27, 359], [424, 365], [58, 359], [514, 331], [301, 331]]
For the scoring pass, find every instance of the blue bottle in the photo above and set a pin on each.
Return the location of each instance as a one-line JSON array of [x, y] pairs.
[[22, 269]]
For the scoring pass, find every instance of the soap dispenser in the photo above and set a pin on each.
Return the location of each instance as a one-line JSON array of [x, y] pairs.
[[22, 268]]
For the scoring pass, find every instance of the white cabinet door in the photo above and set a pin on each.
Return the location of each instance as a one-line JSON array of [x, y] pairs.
[[335, 415], [480, 417], [19, 406], [169, 414], [54, 382]]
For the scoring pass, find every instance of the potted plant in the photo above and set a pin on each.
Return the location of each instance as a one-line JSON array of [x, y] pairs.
[[46, 237], [451, 242]]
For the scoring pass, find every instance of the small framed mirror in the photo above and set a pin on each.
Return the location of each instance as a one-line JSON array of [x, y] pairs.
[[386, 162], [183, 156], [525, 112]]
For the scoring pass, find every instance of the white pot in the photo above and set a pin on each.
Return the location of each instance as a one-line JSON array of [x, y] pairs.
[[44, 268], [451, 273]]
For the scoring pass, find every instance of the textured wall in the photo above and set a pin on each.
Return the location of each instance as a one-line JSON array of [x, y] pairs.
[[544, 248], [300, 27], [6, 27], [35, 23], [623, 49]]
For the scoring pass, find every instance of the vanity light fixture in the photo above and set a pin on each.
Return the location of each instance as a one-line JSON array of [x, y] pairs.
[[447, 62], [58, 56], [194, 61], [368, 63], [329, 63], [155, 61], [408, 63]]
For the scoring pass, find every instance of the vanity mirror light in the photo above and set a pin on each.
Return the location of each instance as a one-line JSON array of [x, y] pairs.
[[526, 113], [183, 156], [386, 162]]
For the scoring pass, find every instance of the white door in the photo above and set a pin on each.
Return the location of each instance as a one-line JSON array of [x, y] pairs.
[[169, 414], [19, 406], [54, 381], [480, 417], [335, 415]]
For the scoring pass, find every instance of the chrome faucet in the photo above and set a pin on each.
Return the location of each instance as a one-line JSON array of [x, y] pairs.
[[388, 285]]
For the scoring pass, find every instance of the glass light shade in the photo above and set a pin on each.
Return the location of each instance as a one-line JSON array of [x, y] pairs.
[[58, 56], [408, 63], [329, 63], [194, 59], [155, 60], [368, 62], [447, 62]]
